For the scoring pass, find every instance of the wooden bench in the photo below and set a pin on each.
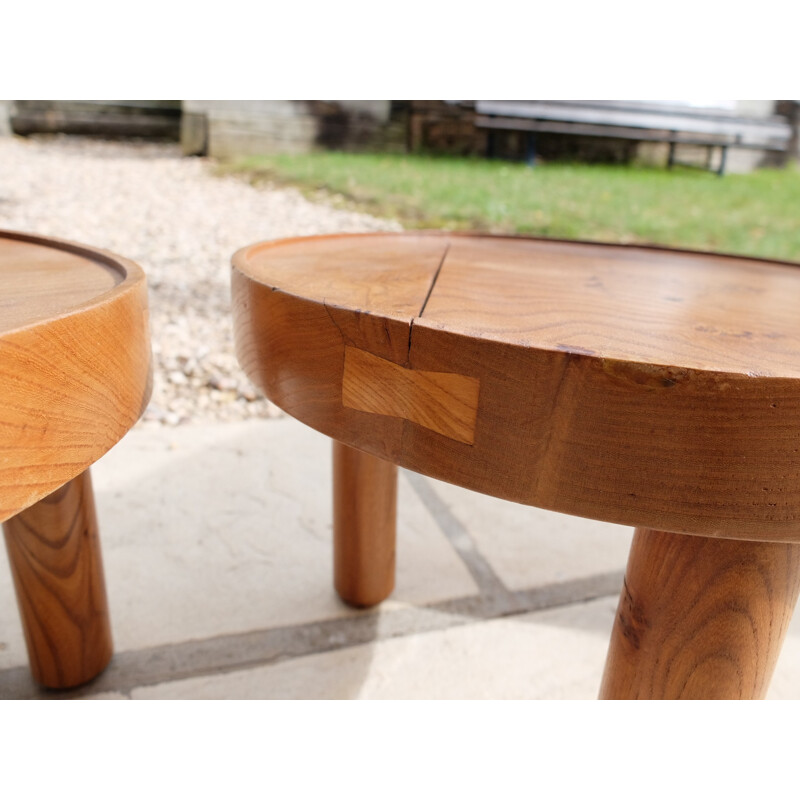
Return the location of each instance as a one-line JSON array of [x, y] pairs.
[[641, 122], [641, 386]]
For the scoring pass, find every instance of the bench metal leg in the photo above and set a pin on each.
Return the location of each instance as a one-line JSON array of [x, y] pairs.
[[671, 159], [530, 150], [721, 170], [491, 145]]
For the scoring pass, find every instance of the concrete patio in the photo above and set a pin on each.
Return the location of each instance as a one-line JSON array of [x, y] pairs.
[[217, 549]]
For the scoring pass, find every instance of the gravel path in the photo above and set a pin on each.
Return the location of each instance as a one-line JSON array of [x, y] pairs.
[[181, 223]]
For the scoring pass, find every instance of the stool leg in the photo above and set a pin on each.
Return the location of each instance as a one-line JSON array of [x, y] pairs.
[[700, 618], [54, 551], [364, 526]]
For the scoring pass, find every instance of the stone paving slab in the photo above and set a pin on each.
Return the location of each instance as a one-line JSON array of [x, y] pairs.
[[555, 654], [528, 546], [209, 530], [549, 655], [217, 547]]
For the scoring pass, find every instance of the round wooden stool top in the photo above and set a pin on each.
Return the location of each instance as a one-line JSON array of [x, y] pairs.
[[74, 361], [644, 386]]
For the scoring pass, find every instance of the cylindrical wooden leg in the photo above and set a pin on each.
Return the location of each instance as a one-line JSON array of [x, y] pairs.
[[364, 526], [54, 551], [700, 618]]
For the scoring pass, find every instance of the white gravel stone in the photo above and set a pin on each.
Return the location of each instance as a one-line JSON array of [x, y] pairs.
[[181, 222]]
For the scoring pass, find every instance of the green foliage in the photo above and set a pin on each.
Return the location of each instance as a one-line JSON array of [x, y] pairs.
[[755, 214]]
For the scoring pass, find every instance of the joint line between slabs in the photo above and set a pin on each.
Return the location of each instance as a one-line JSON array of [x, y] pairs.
[[219, 655], [459, 537]]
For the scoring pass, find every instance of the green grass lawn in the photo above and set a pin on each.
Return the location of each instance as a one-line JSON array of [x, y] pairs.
[[756, 214]]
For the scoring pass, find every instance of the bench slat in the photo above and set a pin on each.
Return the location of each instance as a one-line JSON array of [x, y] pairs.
[[771, 133]]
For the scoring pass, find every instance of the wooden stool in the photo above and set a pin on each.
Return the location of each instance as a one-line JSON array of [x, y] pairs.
[[74, 377], [649, 387]]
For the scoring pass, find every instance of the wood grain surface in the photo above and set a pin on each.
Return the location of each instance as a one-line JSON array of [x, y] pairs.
[[364, 526], [39, 282], [54, 552], [440, 401], [636, 385], [700, 618], [75, 371]]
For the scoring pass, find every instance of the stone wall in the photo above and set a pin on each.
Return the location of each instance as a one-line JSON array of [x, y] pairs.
[[230, 128], [5, 117]]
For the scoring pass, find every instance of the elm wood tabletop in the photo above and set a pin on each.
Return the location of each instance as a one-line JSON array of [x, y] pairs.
[[636, 385], [75, 375]]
